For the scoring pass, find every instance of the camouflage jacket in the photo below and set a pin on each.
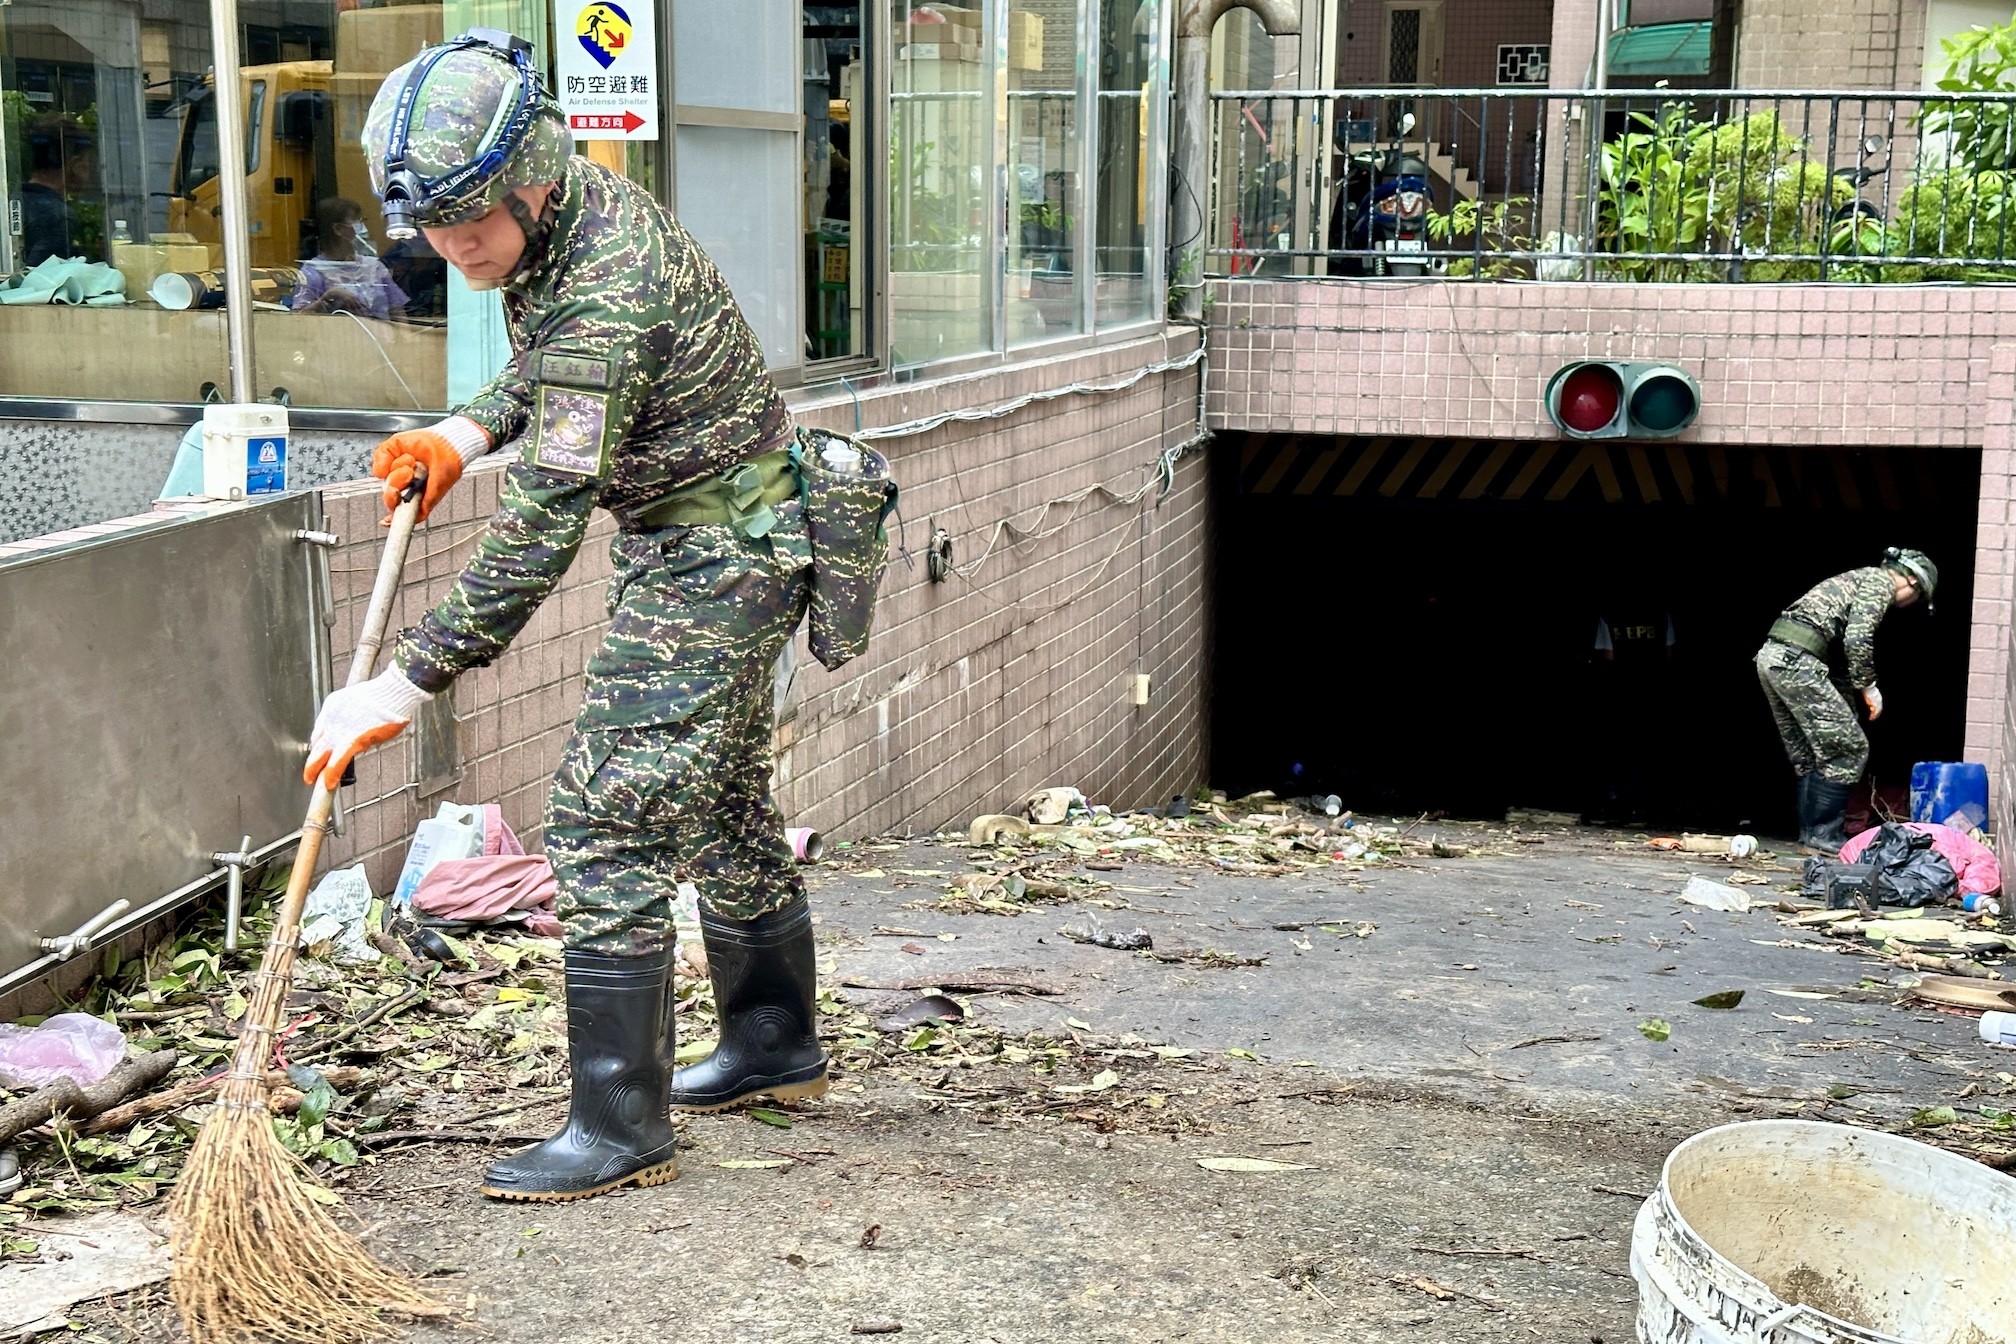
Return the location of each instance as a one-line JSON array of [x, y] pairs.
[[1847, 609], [633, 372]]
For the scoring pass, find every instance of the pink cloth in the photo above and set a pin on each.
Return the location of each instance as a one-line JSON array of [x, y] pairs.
[[482, 889], [498, 837], [1973, 862]]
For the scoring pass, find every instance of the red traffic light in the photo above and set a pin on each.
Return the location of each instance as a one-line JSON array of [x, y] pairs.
[[1614, 399], [1588, 400]]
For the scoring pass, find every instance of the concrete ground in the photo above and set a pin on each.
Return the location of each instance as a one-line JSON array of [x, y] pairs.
[[1464, 1110]]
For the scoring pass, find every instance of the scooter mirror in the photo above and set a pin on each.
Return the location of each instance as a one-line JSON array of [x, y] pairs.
[[1874, 145], [1406, 123]]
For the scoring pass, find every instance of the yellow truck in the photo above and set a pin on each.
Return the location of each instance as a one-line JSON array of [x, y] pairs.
[[303, 124]]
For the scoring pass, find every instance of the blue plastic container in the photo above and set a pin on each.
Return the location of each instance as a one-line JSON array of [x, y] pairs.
[[1942, 790]]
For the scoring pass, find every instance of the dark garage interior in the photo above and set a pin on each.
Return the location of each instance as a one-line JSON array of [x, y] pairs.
[[1410, 623]]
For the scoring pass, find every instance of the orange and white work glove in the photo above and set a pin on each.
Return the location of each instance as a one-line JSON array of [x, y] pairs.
[[1873, 698], [359, 717], [443, 448]]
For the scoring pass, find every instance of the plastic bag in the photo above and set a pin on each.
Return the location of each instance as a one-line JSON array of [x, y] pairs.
[[336, 913], [77, 1046], [1908, 870]]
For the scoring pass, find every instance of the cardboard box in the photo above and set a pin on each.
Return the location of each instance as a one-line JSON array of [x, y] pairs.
[[964, 54], [1025, 40], [379, 41], [143, 263]]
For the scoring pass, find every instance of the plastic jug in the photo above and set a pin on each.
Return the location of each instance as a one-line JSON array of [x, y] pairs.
[[1950, 793]]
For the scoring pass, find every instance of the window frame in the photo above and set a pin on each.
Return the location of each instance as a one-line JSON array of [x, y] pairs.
[[873, 124]]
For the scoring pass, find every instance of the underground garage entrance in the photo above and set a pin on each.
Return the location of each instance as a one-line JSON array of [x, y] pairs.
[[1413, 624]]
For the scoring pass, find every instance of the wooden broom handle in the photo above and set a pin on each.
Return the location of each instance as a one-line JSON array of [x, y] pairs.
[[276, 968]]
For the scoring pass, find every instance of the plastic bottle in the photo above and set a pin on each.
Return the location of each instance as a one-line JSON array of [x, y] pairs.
[[120, 233], [1998, 1028], [1978, 903]]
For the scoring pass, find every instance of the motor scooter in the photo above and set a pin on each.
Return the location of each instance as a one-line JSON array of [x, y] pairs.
[[1381, 213]]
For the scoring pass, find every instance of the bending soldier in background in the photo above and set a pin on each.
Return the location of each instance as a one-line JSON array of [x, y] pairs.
[[1813, 700], [639, 387]]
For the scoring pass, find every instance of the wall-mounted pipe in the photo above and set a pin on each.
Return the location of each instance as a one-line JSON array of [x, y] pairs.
[[1194, 24]]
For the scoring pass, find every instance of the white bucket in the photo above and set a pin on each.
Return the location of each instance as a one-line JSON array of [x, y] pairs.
[[1791, 1232]]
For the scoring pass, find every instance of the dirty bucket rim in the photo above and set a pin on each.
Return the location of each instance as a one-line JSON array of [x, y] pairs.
[[1874, 1140]]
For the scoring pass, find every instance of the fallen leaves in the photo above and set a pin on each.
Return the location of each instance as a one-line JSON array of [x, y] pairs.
[[1655, 1029]]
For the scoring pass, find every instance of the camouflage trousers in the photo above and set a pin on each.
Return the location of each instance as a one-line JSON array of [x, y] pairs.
[[667, 775], [1815, 719]]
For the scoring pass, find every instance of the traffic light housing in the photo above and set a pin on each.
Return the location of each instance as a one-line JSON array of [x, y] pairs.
[[1615, 399]]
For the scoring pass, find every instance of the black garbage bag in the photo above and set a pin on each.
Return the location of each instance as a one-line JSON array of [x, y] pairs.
[[1908, 870]]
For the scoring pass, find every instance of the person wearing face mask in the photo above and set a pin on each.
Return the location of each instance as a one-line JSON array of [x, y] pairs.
[[345, 274]]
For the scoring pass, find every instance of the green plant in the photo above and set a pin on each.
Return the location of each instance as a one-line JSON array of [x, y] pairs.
[[1677, 185], [1978, 135], [1494, 227], [927, 224], [1956, 212]]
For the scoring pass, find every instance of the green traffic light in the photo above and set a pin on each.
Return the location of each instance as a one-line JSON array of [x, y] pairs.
[[1664, 404]]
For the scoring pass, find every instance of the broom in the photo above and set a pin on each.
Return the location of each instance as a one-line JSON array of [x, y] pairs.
[[256, 1250]]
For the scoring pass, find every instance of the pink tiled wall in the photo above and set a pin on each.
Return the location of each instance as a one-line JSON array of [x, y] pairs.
[[1993, 674], [1819, 364], [974, 691], [1879, 366]]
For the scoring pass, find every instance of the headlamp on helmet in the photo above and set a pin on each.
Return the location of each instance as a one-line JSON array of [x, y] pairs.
[[458, 195]]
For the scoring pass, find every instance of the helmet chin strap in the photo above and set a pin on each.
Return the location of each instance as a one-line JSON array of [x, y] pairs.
[[536, 231]]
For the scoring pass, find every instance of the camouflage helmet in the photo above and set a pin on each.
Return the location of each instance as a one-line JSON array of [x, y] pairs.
[[457, 127], [1914, 564]]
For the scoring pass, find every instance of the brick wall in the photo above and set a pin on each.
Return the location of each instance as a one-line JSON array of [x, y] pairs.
[[1992, 675], [974, 691], [1819, 365], [1825, 44]]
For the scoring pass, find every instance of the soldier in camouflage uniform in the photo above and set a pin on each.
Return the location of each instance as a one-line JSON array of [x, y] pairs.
[[1812, 699], [637, 386]]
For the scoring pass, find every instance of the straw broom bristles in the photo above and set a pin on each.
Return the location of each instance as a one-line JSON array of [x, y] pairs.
[[256, 1252]]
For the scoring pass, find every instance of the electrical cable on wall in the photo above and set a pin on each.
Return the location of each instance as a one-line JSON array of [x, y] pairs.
[[1007, 408]]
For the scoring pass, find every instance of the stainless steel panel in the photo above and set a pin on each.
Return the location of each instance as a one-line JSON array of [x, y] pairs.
[[156, 690]]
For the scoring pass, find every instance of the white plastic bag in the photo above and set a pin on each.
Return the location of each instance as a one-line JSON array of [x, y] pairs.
[[337, 911], [77, 1046]]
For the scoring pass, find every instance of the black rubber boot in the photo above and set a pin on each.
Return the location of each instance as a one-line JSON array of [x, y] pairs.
[[765, 992], [619, 1031], [1826, 802], [1806, 804]]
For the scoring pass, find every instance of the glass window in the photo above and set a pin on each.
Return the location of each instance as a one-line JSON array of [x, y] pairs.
[[837, 122], [342, 315], [1044, 298], [941, 162], [1129, 194], [738, 171], [100, 98], [255, 117]]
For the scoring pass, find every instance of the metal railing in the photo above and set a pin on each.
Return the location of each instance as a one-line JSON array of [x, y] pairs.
[[1680, 185]]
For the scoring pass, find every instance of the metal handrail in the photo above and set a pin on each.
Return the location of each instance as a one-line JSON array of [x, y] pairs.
[[1811, 199]]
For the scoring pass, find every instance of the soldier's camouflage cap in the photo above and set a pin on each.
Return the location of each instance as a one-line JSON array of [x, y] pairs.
[[480, 123]]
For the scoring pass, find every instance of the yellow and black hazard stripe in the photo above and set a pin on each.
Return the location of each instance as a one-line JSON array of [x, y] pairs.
[[1543, 471]]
